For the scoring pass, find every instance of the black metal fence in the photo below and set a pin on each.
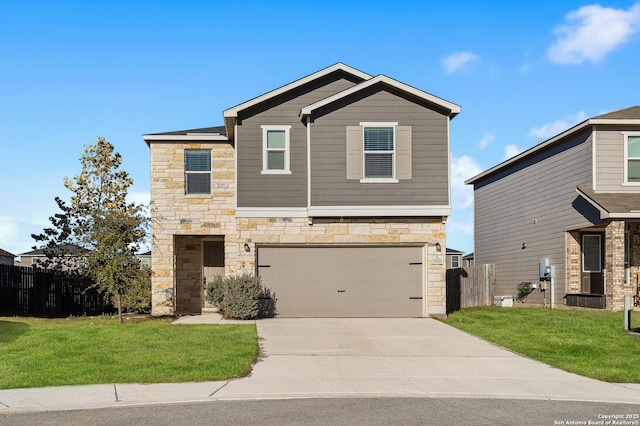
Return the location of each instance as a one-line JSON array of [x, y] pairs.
[[44, 292]]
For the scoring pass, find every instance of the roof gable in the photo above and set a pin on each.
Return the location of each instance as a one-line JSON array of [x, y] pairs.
[[231, 113], [383, 79], [628, 116]]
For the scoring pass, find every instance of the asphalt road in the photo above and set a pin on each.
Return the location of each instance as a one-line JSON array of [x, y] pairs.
[[346, 411]]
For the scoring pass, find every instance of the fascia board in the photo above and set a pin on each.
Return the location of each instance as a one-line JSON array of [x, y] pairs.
[[187, 137], [233, 112], [617, 121], [455, 109]]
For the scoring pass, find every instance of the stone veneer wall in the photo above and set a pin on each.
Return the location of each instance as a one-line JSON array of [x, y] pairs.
[[180, 222], [615, 287], [574, 262], [174, 214]]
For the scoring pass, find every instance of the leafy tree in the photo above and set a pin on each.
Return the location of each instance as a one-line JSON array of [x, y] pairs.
[[100, 221]]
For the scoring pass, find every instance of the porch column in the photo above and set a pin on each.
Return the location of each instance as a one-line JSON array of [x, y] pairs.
[[614, 265], [574, 262]]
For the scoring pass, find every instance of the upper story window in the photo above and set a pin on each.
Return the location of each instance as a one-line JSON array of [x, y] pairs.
[[632, 158], [455, 261], [197, 169], [276, 150], [379, 151]]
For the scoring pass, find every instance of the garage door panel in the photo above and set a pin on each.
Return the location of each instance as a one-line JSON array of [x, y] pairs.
[[344, 281]]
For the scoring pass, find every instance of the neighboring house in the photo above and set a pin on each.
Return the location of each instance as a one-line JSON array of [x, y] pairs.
[[468, 260], [573, 199], [454, 258], [75, 256], [334, 188], [145, 258], [6, 258]]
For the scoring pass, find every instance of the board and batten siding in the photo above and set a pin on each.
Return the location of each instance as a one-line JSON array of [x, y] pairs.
[[533, 202], [429, 153], [610, 159], [279, 190]]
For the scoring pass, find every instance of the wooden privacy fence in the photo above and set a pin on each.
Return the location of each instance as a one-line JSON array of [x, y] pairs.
[[470, 286], [49, 293]]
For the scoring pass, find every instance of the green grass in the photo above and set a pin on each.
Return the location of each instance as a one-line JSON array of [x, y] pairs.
[[586, 342], [54, 352]]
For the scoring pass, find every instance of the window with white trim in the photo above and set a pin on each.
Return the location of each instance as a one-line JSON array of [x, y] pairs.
[[197, 170], [275, 150], [379, 152], [455, 261], [632, 158]]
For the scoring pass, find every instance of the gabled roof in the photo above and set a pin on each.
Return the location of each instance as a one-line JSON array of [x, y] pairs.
[[204, 133], [5, 253], [623, 116], [383, 79], [613, 205], [468, 256], [231, 113], [453, 251]]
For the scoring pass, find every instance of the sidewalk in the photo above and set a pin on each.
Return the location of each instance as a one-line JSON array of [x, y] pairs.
[[320, 358]]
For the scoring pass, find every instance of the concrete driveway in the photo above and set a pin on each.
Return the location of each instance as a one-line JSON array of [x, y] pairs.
[[402, 357]]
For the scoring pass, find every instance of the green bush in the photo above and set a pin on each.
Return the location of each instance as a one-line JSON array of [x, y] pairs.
[[241, 297]]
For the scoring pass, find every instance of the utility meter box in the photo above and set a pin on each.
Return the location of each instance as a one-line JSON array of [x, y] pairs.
[[544, 268]]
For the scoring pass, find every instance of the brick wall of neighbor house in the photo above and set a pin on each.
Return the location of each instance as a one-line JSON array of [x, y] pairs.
[[634, 258], [573, 262], [615, 288], [187, 220]]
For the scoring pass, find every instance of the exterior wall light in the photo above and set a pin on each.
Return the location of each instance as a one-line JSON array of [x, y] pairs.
[[438, 247], [247, 248]]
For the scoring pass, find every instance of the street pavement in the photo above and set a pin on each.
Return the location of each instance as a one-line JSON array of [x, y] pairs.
[[337, 358]]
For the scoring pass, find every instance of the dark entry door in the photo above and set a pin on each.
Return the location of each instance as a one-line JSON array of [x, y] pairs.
[[592, 277]]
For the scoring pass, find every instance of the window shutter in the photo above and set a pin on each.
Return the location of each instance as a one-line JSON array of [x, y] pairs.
[[403, 152], [354, 152]]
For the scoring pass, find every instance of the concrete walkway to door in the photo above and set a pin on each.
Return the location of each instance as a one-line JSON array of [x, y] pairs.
[[402, 357]]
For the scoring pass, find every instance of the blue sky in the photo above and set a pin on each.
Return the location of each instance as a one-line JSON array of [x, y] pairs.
[[74, 70]]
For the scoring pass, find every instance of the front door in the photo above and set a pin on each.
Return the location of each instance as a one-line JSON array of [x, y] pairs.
[[212, 260], [592, 278]]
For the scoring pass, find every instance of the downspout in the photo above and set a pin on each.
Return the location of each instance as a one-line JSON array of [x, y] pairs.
[[308, 164]]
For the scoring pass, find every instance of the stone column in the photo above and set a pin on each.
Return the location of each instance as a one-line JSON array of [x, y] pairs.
[[614, 265], [573, 262]]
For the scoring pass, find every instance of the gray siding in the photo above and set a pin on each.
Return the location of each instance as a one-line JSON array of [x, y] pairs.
[[533, 202], [263, 190], [610, 159], [430, 156]]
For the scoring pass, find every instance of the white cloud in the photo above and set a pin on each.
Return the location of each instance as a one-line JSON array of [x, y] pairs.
[[458, 61], [486, 140], [511, 151], [462, 168], [551, 129], [591, 32]]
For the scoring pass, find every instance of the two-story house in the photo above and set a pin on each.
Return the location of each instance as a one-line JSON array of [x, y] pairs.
[[333, 188], [6, 258], [574, 200]]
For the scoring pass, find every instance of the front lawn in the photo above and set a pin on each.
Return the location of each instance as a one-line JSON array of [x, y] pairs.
[[590, 343], [76, 351]]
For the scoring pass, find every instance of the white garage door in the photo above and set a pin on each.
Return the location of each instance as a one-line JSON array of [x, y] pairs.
[[341, 281]]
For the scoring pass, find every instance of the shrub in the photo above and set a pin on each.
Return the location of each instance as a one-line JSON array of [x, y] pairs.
[[241, 297]]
